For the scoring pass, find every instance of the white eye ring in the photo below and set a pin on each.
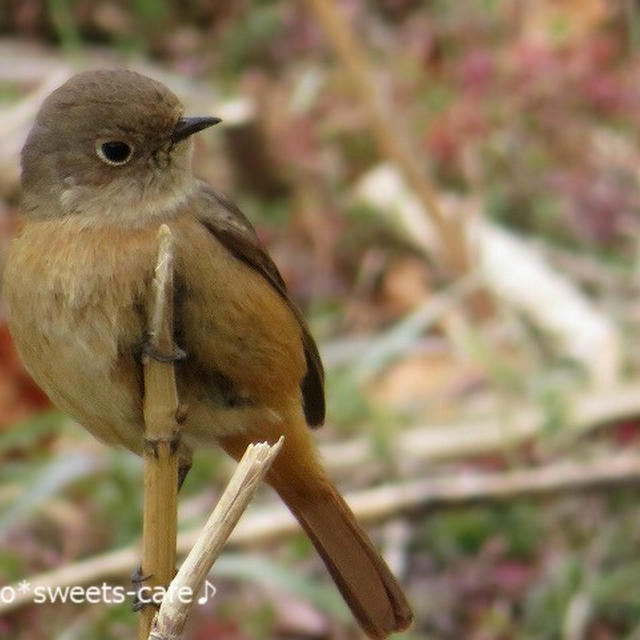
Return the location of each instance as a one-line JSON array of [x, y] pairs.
[[114, 152]]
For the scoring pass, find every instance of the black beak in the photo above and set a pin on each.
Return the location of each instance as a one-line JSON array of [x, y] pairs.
[[189, 126]]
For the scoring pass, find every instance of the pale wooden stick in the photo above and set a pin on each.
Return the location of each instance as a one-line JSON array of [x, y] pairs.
[[161, 435], [253, 466], [276, 523]]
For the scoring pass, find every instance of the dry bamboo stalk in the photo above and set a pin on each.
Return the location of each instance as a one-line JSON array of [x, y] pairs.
[[253, 466], [355, 62], [161, 434], [274, 523]]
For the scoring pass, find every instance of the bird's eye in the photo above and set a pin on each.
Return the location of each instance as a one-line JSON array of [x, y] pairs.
[[114, 152]]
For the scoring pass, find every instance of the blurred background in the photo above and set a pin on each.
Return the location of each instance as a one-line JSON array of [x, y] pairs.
[[450, 190]]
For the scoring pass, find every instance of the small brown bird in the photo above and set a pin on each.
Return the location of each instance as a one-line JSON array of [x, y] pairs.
[[106, 162]]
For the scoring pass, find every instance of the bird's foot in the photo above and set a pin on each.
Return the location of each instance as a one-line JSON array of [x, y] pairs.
[[154, 353], [137, 579]]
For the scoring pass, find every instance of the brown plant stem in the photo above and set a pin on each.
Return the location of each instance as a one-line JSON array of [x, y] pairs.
[[161, 435]]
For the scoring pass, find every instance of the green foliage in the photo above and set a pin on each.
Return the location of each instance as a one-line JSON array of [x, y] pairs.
[[453, 535], [553, 403], [259, 570], [9, 92], [272, 214], [114, 621], [118, 496], [27, 434], [151, 11], [503, 374], [61, 13], [12, 568], [347, 404], [259, 621], [211, 467], [44, 483], [249, 39]]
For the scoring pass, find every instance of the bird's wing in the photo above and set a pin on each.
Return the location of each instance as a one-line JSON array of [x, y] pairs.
[[231, 228]]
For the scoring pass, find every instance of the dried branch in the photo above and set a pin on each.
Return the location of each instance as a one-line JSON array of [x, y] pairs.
[[252, 468]]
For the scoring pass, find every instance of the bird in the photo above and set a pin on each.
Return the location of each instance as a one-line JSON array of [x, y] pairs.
[[107, 161]]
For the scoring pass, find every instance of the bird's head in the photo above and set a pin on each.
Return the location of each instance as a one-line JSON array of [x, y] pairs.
[[112, 146]]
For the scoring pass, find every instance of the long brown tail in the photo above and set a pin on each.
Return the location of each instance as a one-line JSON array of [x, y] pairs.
[[363, 578]]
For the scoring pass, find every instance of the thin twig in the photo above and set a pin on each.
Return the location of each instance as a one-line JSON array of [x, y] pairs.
[[173, 612]]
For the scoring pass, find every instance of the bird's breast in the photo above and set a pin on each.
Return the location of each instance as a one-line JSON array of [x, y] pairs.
[[75, 300]]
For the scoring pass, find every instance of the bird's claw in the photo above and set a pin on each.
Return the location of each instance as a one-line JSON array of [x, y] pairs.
[[137, 578], [176, 354]]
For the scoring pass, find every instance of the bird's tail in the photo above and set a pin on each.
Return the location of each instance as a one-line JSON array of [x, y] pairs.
[[362, 576]]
